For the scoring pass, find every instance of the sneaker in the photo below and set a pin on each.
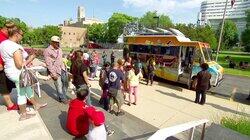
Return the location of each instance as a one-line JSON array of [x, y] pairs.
[[112, 112], [120, 113], [248, 98], [26, 116], [110, 132], [129, 104], [134, 103], [14, 107]]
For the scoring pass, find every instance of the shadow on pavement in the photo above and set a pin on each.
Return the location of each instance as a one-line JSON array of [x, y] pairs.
[[50, 91], [228, 110], [140, 136], [174, 95], [63, 119]]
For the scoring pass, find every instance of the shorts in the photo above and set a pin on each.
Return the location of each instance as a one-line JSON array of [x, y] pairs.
[[119, 100], [6, 85]]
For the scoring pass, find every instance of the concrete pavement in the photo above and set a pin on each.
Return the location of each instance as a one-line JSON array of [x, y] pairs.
[[159, 106], [13, 129]]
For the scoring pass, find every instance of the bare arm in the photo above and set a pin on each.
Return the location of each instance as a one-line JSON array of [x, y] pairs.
[[18, 59], [86, 78], [1, 67]]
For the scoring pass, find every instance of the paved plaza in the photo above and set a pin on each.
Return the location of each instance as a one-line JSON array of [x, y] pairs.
[[161, 105]]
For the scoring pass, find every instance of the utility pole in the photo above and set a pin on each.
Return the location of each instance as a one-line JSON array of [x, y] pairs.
[[221, 31]]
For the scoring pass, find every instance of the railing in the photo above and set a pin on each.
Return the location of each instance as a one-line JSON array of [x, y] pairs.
[[164, 133]]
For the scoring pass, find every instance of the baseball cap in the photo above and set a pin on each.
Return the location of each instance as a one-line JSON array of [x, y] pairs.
[[55, 39]]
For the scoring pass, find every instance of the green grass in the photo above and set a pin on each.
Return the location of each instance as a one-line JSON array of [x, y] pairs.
[[239, 124], [236, 57]]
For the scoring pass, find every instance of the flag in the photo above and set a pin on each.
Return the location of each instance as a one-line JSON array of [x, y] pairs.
[[232, 3]]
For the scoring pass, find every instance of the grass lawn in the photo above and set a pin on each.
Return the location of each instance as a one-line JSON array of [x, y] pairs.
[[239, 124], [236, 57]]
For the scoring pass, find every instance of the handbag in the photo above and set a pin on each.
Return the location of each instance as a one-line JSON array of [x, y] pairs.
[[27, 78]]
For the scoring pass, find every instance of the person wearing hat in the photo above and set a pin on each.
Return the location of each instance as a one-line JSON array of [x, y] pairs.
[[56, 68]]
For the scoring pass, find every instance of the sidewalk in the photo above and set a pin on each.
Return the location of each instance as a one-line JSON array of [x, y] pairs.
[[163, 105], [13, 129]]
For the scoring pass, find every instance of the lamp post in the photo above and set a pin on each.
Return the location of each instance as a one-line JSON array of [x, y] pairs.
[[158, 18]]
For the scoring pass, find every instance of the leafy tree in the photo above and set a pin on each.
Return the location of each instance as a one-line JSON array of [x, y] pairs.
[[203, 34], [149, 20], [116, 24], [245, 36], [98, 32], [229, 34], [48, 31], [2, 21]]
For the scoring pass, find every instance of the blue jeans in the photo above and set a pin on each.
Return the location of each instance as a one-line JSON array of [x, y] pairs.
[[61, 89]]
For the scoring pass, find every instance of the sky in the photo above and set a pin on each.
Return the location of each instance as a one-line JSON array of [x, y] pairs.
[[37, 13]]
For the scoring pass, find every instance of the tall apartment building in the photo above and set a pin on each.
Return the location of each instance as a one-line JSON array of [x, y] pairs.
[[211, 13]]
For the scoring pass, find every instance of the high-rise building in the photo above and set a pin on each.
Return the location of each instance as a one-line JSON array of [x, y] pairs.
[[211, 13], [80, 14]]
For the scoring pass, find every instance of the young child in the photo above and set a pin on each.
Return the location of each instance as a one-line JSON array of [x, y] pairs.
[[134, 77], [97, 129], [77, 120]]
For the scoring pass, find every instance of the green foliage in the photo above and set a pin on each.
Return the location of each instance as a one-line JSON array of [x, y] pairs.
[[239, 124], [245, 36], [149, 20], [98, 32], [229, 35], [203, 34], [116, 24], [33, 36]]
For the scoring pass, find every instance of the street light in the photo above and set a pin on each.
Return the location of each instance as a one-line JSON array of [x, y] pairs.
[[158, 18]]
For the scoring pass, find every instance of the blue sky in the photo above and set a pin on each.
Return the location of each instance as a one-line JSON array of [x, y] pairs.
[[44, 12]]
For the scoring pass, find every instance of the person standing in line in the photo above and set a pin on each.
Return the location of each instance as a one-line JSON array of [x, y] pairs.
[[203, 84], [104, 57], [134, 77], [151, 68], [56, 68], [115, 77], [6, 85], [15, 58], [103, 82], [112, 57], [80, 74]]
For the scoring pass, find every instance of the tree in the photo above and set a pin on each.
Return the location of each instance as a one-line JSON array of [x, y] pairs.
[[116, 24], [245, 36], [2, 21], [98, 32], [48, 31], [149, 20], [203, 34], [229, 35]]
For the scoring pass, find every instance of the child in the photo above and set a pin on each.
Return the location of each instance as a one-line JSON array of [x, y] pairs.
[[97, 129], [134, 77], [77, 120]]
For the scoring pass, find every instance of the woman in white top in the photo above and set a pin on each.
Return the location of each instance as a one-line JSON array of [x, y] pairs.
[[15, 57]]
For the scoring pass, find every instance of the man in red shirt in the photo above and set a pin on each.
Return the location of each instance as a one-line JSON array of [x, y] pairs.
[[6, 85]]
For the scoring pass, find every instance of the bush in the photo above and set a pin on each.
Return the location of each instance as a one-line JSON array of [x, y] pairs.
[[239, 124]]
